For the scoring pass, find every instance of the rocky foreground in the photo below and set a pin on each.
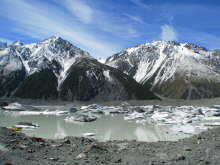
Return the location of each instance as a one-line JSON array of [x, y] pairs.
[[18, 149]]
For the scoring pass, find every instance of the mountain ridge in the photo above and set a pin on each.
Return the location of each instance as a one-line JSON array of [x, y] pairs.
[[167, 63], [38, 68]]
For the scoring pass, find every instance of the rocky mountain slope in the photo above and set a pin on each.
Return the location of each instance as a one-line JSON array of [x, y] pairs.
[[95, 80], [176, 70], [56, 69]]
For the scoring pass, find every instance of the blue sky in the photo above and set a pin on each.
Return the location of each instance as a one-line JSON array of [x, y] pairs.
[[105, 27]]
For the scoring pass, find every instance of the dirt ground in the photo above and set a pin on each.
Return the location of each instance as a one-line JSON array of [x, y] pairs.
[[18, 149]]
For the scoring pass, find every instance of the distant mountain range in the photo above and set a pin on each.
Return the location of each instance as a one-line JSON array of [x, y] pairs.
[[56, 69], [175, 70]]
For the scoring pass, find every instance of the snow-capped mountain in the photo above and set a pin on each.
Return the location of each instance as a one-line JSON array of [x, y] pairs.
[[54, 53], [177, 70], [45, 70], [89, 78]]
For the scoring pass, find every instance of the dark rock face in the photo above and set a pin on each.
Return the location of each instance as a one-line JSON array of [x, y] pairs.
[[12, 72], [9, 83], [40, 85]]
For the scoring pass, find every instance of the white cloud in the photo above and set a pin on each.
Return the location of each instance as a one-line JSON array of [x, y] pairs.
[[132, 32], [140, 4], [135, 18], [36, 21], [40, 20], [80, 9], [105, 21], [168, 33]]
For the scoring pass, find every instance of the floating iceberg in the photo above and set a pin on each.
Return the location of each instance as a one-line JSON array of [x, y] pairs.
[[14, 106], [89, 134], [81, 118]]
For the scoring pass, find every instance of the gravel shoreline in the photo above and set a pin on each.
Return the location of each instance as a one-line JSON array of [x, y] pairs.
[[19, 149]]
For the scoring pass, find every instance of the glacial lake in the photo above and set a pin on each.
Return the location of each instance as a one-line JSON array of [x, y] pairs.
[[106, 127], [142, 123]]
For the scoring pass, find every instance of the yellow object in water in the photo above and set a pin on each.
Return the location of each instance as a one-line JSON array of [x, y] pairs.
[[17, 129]]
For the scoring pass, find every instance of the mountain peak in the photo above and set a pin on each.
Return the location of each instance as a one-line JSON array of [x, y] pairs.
[[17, 43], [163, 42], [52, 39], [166, 44]]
